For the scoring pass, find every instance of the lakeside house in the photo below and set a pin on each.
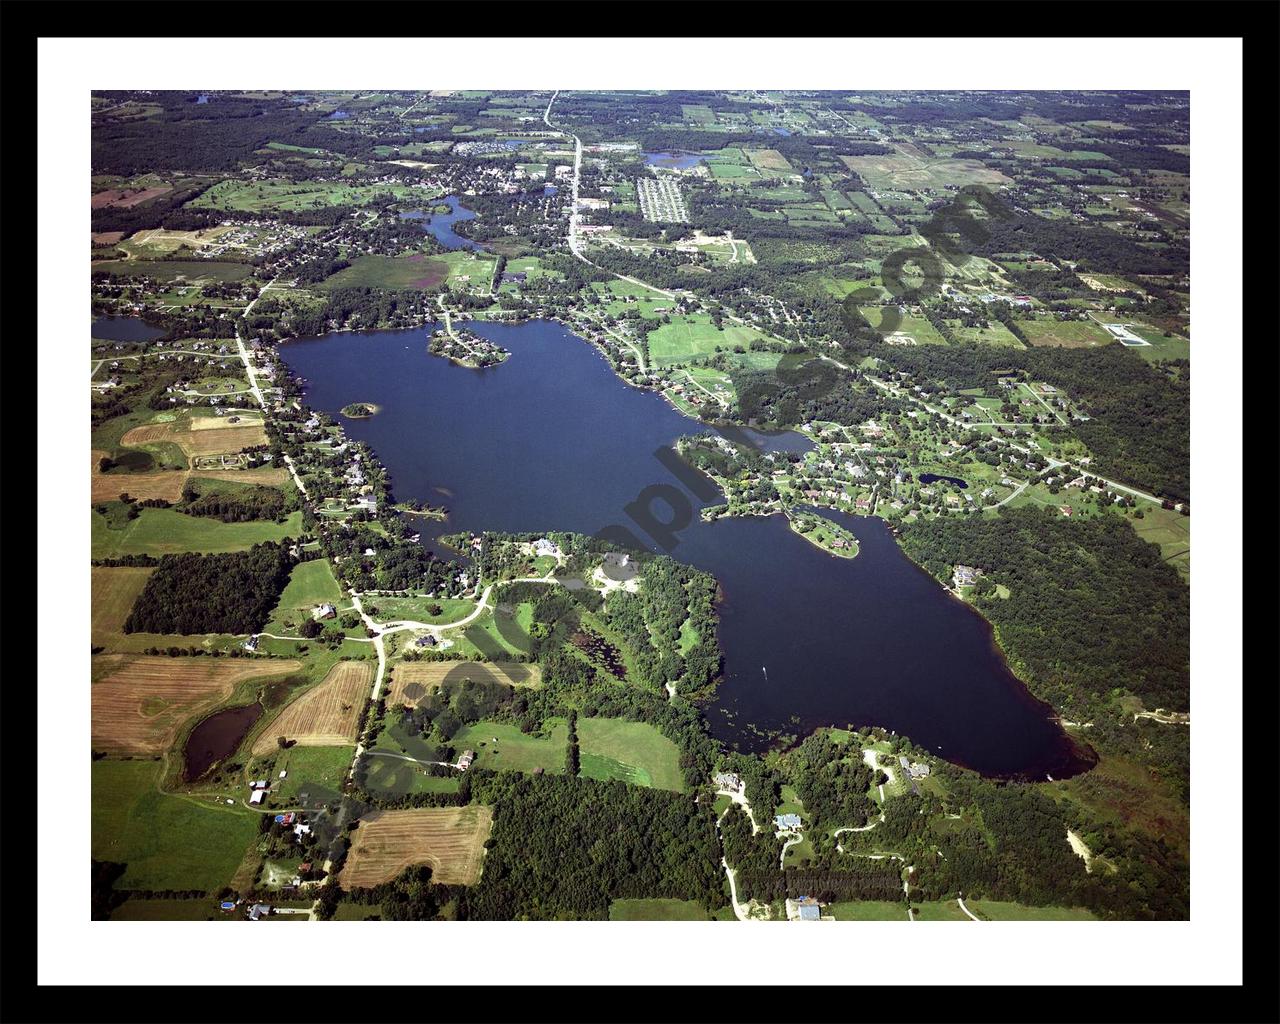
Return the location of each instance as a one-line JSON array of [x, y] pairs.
[[730, 781], [965, 576]]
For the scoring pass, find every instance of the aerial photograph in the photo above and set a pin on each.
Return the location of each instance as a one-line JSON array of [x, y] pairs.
[[730, 505]]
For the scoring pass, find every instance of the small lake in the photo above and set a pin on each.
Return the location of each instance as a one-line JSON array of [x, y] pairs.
[[929, 478], [216, 738], [440, 225], [124, 328], [552, 439], [679, 161]]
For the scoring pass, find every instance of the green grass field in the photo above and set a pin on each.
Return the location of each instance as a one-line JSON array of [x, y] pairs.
[[169, 270], [513, 750], [994, 910], [418, 609], [279, 194], [940, 910], [1064, 333], [171, 910], [612, 748], [311, 583], [657, 910], [159, 531], [868, 910], [168, 842], [1170, 530], [370, 271], [310, 770], [695, 335]]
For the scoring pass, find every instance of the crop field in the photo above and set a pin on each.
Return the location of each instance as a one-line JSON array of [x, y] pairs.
[[450, 839], [200, 435], [502, 747], [167, 841], [635, 752], [166, 484], [413, 680], [657, 910], [369, 271], [159, 531], [324, 716], [264, 476], [140, 703], [1064, 333], [280, 194], [695, 335], [769, 161], [909, 169], [194, 272], [113, 592], [126, 198]]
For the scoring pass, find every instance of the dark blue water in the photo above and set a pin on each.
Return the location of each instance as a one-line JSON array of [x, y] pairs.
[[679, 161], [781, 131], [928, 478], [552, 439], [202, 99], [339, 115], [440, 225], [124, 328]]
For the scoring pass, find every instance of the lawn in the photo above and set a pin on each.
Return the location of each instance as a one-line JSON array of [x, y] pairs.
[[419, 609], [502, 747], [657, 910], [635, 752], [940, 910], [159, 531], [171, 910], [168, 842]]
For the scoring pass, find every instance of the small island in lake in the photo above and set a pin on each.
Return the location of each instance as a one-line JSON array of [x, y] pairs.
[[466, 349], [359, 410]]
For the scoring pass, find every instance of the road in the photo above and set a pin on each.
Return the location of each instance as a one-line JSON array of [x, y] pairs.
[[575, 243], [960, 900], [740, 911]]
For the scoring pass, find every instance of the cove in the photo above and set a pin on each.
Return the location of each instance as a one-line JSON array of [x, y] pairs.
[[124, 328], [929, 478], [553, 439], [440, 225]]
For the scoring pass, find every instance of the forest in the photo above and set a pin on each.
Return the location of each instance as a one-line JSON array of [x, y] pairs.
[[1092, 606], [233, 503], [565, 847], [228, 593]]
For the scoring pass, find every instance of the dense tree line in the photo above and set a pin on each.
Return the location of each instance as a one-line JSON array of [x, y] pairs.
[[831, 783], [1092, 606], [235, 504], [566, 847], [228, 593]]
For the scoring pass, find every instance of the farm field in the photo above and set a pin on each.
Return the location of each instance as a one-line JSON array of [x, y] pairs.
[[191, 271], [868, 910], [908, 169], [324, 716], [994, 910], [165, 484], [371, 271], [200, 435], [635, 752], [113, 592], [413, 680], [449, 839], [168, 842], [280, 195], [310, 584], [513, 750], [695, 335], [658, 910], [140, 703], [1064, 333], [159, 531]]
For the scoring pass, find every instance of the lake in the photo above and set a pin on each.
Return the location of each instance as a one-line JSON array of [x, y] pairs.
[[216, 738], [124, 328], [553, 439], [440, 225]]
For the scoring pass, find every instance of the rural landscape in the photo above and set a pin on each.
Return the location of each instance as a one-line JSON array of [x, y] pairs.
[[731, 505]]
